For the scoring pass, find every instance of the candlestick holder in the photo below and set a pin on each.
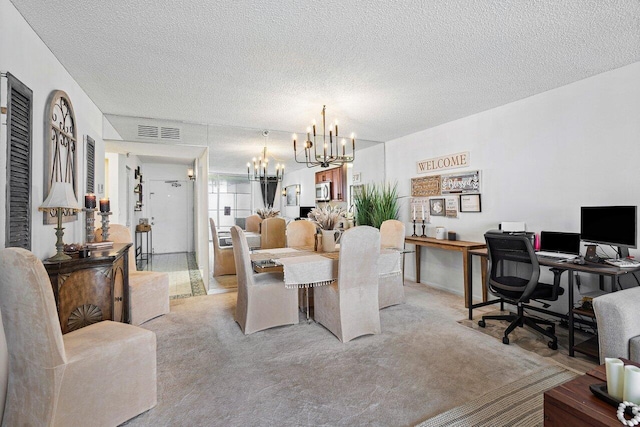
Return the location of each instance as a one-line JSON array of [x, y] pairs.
[[105, 225], [414, 229], [423, 229], [90, 219]]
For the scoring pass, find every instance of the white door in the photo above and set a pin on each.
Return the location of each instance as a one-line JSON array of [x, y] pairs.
[[171, 216]]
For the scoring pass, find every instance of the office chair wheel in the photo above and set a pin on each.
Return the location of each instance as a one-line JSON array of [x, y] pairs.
[[553, 345], [481, 323], [505, 340]]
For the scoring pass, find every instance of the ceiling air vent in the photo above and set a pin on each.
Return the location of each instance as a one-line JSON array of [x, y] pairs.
[[145, 131], [170, 133]]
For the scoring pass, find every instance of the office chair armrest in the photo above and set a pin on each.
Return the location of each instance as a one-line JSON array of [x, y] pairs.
[[557, 275]]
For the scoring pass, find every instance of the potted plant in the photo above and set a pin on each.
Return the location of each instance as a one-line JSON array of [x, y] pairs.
[[267, 213], [375, 204], [326, 218]]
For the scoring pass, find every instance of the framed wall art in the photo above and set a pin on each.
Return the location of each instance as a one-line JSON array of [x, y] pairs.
[[292, 192], [437, 207], [470, 203]]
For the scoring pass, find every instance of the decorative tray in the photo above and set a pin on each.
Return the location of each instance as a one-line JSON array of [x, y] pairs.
[[600, 391]]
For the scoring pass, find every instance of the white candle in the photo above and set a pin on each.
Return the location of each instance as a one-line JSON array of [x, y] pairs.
[[631, 389], [615, 377], [423, 218], [414, 212]]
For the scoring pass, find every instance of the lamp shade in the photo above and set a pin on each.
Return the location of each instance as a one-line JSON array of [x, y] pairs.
[[60, 196]]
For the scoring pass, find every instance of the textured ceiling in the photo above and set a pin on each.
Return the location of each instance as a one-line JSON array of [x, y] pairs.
[[383, 68]]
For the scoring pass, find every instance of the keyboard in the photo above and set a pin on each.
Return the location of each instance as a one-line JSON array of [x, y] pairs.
[[623, 263], [555, 256], [552, 258]]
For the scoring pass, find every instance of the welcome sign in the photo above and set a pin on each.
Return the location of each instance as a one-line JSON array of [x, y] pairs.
[[451, 161]]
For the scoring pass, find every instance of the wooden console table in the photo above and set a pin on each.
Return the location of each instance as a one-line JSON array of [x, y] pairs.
[[93, 289], [573, 404], [448, 245]]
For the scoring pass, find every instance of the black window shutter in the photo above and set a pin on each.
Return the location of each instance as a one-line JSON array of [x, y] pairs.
[[91, 164], [19, 124]]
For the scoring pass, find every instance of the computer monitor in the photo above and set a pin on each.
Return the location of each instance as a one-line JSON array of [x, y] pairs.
[[610, 225], [304, 211]]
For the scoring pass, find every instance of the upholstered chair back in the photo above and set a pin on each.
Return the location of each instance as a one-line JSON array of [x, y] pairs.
[[120, 234], [301, 233], [358, 265], [252, 223], [244, 272], [273, 234], [223, 262], [392, 234], [34, 339]]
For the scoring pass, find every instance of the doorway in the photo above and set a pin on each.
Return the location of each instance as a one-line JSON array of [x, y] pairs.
[[171, 215]]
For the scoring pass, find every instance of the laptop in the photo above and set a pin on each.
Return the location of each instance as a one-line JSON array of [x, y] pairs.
[[558, 245]]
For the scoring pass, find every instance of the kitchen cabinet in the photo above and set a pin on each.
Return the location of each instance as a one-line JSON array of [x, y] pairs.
[[337, 176]]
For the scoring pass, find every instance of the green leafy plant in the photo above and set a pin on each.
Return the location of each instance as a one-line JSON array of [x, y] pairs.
[[376, 203]]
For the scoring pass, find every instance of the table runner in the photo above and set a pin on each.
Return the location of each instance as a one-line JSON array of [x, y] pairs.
[[320, 269]]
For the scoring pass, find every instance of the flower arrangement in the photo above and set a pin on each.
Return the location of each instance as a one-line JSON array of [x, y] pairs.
[[267, 213], [327, 217]]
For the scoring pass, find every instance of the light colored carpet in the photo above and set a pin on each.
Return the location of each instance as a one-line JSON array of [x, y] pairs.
[[423, 363], [517, 404]]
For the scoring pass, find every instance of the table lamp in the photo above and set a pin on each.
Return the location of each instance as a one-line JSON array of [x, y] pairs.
[[60, 197]]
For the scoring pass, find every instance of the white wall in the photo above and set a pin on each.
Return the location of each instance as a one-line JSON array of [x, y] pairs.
[[540, 158], [24, 55]]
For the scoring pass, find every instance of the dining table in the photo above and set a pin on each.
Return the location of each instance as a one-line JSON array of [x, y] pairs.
[[305, 268]]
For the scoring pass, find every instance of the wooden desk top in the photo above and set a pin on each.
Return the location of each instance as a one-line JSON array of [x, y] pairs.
[[603, 269], [455, 245]]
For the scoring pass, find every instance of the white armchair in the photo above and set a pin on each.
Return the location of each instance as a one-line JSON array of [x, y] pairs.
[[148, 290], [618, 317], [100, 375]]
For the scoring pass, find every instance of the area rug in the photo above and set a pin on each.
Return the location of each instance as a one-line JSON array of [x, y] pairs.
[[517, 404], [423, 363], [533, 341], [185, 280]]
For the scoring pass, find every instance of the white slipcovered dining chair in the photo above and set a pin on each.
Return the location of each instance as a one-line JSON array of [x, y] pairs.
[[301, 233], [263, 301], [223, 262], [618, 319], [101, 375], [349, 307], [252, 223], [391, 288], [273, 233], [148, 290]]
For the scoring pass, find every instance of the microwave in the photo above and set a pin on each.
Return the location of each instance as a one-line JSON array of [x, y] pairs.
[[323, 191]]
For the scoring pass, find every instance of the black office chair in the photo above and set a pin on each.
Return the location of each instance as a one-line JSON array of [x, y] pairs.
[[513, 276]]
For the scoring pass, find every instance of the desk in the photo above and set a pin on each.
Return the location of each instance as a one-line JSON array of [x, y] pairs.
[[598, 269], [572, 403], [448, 245]]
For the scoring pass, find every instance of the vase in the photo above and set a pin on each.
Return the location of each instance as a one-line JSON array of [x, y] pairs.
[[329, 240]]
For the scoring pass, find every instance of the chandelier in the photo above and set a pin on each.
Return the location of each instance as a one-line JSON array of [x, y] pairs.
[[333, 152], [258, 168]]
